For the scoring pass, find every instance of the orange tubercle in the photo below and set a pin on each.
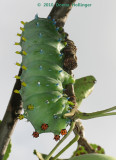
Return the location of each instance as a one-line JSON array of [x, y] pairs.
[[63, 132], [44, 126]]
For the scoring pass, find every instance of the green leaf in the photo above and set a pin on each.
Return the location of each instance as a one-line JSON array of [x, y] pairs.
[[98, 148], [83, 87], [82, 150], [93, 157], [7, 151]]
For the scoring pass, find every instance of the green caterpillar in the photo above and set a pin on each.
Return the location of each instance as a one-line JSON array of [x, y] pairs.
[[43, 78]]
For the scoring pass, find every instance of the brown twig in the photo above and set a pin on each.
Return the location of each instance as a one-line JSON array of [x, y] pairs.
[[10, 119], [61, 13], [79, 130], [83, 142]]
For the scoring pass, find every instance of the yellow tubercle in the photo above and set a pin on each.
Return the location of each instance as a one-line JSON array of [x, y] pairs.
[[21, 116], [16, 91], [65, 43], [22, 29], [23, 38], [17, 52], [17, 43], [18, 34], [17, 77], [23, 67], [30, 107], [22, 22], [23, 84], [18, 64], [24, 53]]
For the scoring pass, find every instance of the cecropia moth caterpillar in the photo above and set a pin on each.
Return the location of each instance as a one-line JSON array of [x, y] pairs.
[[43, 79]]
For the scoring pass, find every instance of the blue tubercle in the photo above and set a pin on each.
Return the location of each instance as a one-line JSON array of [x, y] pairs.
[[57, 28], [38, 83], [40, 67], [37, 24], [60, 71], [49, 17], [55, 116], [59, 96], [47, 102], [41, 51], [40, 35], [68, 98], [36, 16], [69, 121], [70, 107], [54, 22], [63, 105], [60, 39], [61, 55]]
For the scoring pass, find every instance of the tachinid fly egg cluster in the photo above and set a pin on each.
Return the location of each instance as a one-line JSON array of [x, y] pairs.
[[43, 79]]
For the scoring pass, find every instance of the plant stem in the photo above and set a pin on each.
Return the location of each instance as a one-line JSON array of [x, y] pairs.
[[109, 114], [106, 110], [76, 138], [39, 155], [58, 144], [95, 114]]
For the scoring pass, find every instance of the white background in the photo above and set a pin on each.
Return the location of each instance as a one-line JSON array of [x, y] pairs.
[[93, 30]]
